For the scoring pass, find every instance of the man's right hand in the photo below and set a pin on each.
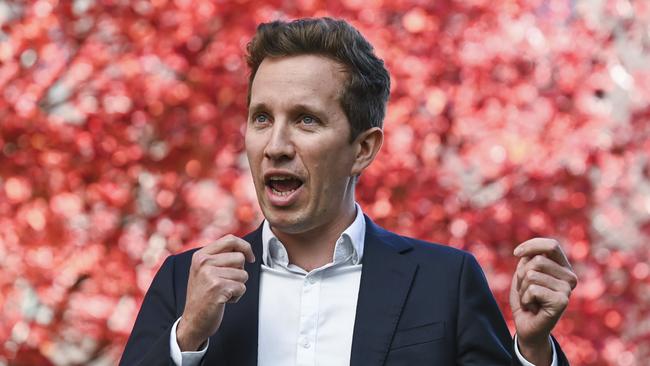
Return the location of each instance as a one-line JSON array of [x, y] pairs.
[[217, 276]]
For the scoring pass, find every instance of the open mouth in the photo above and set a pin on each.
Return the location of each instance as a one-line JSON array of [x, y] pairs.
[[283, 185]]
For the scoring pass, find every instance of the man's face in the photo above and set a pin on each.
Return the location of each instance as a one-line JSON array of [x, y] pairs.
[[297, 143]]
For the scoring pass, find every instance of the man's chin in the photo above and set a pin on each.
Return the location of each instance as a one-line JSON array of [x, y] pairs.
[[286, 222]]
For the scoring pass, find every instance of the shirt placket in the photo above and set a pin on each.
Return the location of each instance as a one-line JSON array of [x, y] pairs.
[[308, 326]]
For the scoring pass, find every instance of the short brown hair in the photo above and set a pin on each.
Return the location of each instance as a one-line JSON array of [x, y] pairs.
[[365, 96]]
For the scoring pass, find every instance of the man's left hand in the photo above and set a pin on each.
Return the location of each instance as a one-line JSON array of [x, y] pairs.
[[540, 292]]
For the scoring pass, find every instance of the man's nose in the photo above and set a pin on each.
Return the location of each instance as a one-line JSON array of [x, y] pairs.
[[280, 145]]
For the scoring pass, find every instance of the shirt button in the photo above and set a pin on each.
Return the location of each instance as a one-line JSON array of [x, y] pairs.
[[312, 280], [305, 343]]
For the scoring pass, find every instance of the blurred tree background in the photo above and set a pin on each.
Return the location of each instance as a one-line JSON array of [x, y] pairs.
[[121, 143]]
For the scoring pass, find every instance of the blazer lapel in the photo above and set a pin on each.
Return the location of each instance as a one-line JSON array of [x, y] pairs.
[[238, 331], [385, 282]]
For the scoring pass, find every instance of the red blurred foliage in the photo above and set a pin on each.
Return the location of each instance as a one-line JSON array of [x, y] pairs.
[[121, 142]]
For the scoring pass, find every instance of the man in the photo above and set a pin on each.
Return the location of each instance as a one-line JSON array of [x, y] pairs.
[[318, 282]]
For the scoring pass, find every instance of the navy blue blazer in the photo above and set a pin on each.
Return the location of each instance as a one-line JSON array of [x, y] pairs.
[[419, 304]]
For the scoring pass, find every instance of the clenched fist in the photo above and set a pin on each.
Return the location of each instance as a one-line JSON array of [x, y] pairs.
[[540, 292], [217, 277]]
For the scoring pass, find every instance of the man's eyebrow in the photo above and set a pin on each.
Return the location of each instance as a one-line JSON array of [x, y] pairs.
[[302, 108], [298, 108], [253, 108]]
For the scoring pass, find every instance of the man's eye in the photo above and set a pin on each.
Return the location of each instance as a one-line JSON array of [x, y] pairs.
[[308, 120], [260, 118]]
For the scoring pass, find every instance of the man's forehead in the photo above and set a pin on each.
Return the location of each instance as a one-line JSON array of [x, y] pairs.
[[296, 77], [299, 66]]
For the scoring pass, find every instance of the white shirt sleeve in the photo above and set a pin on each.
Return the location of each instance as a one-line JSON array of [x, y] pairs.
[[184, 358], [526, 363]]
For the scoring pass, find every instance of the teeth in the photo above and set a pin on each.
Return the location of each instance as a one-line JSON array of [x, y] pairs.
[[279, 193], [281, 178]]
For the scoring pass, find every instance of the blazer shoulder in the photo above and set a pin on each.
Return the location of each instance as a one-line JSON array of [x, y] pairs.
[[436, 254], [438, 248], [403, 243], [432, 248]]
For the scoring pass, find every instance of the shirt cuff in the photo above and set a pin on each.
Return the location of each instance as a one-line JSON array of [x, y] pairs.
[[184, 358], [526, 363]]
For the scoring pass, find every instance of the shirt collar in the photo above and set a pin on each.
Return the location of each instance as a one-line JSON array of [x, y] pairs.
[[349, 244]]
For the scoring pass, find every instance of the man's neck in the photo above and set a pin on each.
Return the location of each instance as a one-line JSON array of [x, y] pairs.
[[315, 248]]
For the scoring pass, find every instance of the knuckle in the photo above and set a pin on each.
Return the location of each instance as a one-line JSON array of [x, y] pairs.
[[524, 284], [222, 241], [239, 256], [217, 284], [196, 255], [531, 275], [534, 289], [198, 259], [237, 293], [520, 272], [521, 280]]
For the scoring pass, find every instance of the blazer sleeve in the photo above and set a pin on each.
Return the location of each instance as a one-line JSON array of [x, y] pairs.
[[148, 343], [482, 334]]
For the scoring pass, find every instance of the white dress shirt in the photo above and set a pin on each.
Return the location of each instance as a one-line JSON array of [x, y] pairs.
[[305, 318]]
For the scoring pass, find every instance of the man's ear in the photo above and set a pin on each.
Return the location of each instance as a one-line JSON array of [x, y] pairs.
[[367, 146]]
